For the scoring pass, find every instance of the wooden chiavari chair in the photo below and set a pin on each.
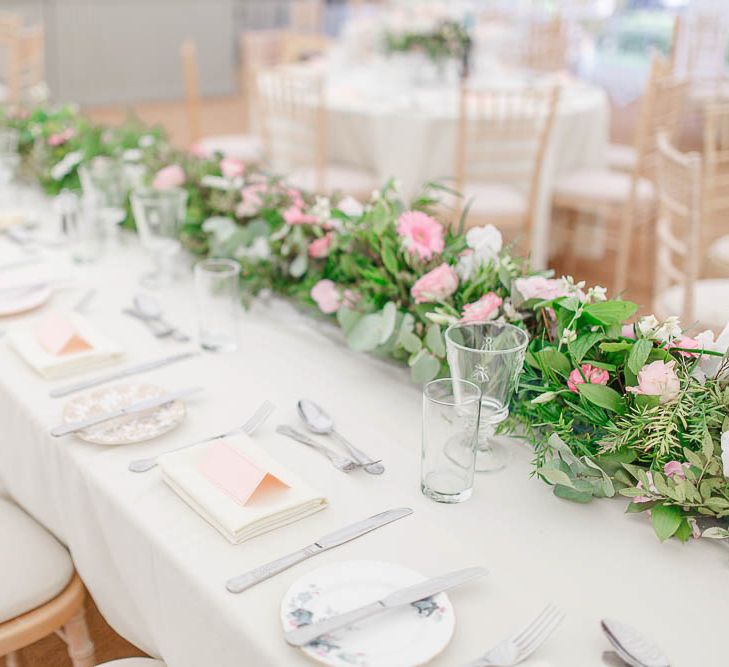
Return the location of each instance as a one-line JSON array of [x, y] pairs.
[[715, 200], [545, 44], [42, 594], [134, 662], [679, 291], [295, 130], [503, 137], [243, 147], [23, 59], [300, 46], [624, 199], [306, 16]]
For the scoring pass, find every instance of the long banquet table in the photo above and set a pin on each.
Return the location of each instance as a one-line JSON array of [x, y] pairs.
[[157, 570]]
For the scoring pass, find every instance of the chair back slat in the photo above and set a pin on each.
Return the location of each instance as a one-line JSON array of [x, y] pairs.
[[190, 75], [679, 222]]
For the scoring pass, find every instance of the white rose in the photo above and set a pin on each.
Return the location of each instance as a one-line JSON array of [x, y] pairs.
[[350, 207], [486, 242]]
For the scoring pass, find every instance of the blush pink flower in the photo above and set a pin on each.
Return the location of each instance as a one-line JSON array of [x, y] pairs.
[[435, 285], [421, 234], [688, 343], [198, 150], [319, 248], [326, 295], [486, 308], [62, 137], [169, 177], [658, 379], [675, 469], [628, 331], [251, 200], [587, 374], [651, 487], [232, 168], [295, 216], [539, 287]]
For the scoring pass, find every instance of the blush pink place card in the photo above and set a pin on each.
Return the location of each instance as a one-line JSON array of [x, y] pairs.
[[57, 335], [235, 475]]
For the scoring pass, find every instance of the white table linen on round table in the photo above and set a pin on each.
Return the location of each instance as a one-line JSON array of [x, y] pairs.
[[157, 570], [380, 121]]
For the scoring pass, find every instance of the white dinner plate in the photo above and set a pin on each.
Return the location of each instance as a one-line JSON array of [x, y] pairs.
[[402, 637], [123, 430], [21, 301]]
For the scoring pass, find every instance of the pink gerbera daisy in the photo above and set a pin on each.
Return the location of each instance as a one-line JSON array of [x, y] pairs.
[[421, 234]]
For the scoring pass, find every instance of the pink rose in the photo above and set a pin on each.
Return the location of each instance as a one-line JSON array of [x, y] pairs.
[[61, 138], [327, 296], [232, 168], [319, 248], [435, 285], [675, 469], [658, 379], [628, 331], [539, 287], [587, 374], [198, 150], [482, 310], [169, 177], [689, 343], [295, 216], [421, 234], [251, 201]]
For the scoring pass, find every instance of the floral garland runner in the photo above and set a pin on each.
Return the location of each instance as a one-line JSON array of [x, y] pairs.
[[611, 406]]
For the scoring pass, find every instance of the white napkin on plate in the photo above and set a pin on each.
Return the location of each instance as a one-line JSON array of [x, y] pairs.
[[238, 522], [24, 339]]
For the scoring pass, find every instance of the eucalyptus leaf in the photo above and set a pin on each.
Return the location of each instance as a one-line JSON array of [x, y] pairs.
[[425, 368], [389, 318], [366, 334], [434, 340]]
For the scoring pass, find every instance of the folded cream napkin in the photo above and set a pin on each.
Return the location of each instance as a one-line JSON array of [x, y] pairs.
[[60, 344], [238, 488]]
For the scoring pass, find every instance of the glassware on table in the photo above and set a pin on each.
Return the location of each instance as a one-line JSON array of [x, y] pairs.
[[159, 215], [105, 191], [217, 293], [80, 226], [9, 160], [491, 355], [451, 409]]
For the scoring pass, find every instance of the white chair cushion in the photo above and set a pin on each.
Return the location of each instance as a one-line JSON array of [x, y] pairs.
[[34, 566], [604, 186], [711, 303], [495, 201], [134, 662], [244, 147], [621, 157], [719, 251], [342, 178]]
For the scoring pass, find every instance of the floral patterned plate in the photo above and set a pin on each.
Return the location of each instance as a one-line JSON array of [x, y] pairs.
[[402, 637], [124, 430]]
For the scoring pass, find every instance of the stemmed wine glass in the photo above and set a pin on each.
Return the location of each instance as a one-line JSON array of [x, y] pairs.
[[491, 355], [159, 215]]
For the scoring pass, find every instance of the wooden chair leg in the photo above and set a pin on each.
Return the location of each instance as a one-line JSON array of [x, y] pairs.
[[13, 659], [76, 635]]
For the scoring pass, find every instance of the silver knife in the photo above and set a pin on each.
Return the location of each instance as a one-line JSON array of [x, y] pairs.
[[308, 633], [259, 574], [139, 406], [58, 392]]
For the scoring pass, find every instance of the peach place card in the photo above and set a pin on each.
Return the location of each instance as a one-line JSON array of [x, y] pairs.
[[58, 335], [234, 474]]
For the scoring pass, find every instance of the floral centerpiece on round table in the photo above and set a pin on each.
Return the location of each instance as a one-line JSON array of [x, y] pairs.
[[637, 409]]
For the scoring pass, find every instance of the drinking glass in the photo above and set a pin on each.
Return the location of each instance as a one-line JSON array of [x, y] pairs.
[[80, 226], [451, 410], [159, 215], [491, 354], [105, 191], [218, 302], [9, 160]]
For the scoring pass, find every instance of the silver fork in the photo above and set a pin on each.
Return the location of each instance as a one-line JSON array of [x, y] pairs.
[[259, 416], [339, 462], [518, 648]]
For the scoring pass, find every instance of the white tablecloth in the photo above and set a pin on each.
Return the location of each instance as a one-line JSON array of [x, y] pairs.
[[380, 121], [157, 570]]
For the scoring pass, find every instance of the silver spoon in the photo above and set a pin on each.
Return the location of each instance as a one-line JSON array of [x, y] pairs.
[[339, 462], [151, 309], [318, 421], [631, 646]]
